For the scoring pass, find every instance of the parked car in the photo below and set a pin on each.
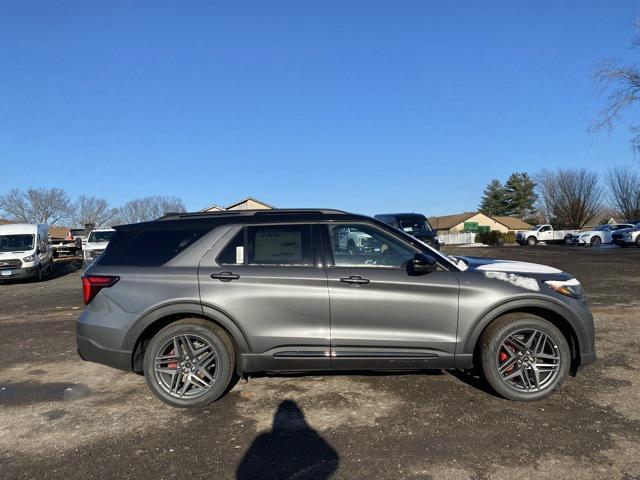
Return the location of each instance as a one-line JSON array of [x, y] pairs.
[[415, 224], [601, 234], [545, 233], [196, 300], [628, 236], [96, 244], [25, 251]]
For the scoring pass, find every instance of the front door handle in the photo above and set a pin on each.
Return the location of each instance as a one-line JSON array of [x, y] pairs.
[[355, 279], [225, 276]]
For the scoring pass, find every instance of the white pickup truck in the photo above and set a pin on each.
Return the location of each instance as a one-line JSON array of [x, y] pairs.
[[545, 233]]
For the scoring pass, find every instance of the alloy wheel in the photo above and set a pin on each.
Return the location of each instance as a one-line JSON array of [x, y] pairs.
[[528, 360], [185, 366]]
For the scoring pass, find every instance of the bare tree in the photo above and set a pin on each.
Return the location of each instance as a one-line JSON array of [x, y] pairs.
[[149, 208], [621, 83], [41, 205], [569, 197], [623, 189], [93, 210]]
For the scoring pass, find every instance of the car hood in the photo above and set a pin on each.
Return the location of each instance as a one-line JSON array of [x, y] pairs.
[[483, 264], [95, 245]]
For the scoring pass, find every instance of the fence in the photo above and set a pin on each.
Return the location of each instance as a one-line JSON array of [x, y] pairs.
[[457, 238]]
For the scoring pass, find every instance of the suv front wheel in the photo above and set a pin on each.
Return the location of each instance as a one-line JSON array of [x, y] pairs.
[[189, 363], [524, 357]]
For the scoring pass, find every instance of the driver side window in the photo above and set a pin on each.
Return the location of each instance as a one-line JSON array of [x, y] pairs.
[[365, 246]]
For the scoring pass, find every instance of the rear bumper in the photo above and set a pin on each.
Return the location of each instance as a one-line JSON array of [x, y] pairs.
[[90, 351]]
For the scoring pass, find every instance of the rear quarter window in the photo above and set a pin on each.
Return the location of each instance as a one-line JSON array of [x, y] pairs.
[[148, 248]]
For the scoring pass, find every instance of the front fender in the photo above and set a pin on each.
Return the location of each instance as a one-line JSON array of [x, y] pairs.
[[578, 320]]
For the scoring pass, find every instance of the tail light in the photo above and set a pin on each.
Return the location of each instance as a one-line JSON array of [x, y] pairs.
[[92, 284]]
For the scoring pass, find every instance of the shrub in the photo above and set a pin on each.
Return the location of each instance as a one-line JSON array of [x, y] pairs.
[[495, 237]]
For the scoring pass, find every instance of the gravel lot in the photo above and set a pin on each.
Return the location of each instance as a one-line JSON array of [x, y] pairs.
[[63, 418]]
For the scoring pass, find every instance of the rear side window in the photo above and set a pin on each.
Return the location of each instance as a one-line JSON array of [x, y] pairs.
[[270, 245], [148, 248]]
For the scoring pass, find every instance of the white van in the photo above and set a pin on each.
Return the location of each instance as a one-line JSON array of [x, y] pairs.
[[25, 251]]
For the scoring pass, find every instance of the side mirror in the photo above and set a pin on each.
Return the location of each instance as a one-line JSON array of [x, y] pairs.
[[420, 264]]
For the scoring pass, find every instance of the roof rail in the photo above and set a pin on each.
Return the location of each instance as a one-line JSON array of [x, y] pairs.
[[226, 213]]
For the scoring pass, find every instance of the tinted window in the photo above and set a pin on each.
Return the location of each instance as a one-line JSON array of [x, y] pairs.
[[363, 245], [279, 245], [233, 253], [148, 248], [413, 227]]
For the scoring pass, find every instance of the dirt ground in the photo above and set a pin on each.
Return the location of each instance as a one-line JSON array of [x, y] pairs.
[[61, 417]]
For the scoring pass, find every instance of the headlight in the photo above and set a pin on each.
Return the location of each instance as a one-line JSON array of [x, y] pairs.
[[568, 288], [28, 259]]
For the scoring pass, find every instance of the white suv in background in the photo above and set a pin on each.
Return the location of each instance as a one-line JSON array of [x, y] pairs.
[[96, 243], [601, 234]]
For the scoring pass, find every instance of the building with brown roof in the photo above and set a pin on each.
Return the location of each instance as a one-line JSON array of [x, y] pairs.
[[472, 221]]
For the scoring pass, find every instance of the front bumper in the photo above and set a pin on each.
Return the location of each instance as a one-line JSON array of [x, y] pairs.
[[19, 273]]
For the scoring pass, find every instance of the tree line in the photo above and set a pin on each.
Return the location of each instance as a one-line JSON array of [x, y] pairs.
[[53, 206], [568, 198]]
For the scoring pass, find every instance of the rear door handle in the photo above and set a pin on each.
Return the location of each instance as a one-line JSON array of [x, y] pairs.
[[225, 276], [355, 279]]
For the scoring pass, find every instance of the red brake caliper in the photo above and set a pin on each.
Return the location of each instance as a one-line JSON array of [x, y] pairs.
[[172, 364], [503, 357]]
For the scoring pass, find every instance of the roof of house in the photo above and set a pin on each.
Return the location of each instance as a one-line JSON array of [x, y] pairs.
[[212, 208], [447, 222], [512, 223], [247, 201], [239, 205], [4, 221]]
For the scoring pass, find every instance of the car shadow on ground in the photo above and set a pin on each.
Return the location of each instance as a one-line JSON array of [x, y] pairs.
[[468, 377], [291, 449], [64, 266]]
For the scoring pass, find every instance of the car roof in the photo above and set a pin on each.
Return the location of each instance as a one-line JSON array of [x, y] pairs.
[[21, 228], [179, 221], [401, 215]]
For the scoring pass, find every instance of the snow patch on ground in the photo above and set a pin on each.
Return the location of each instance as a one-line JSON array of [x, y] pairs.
[[522, 282]]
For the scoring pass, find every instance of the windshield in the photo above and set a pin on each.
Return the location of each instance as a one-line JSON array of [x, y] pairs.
[[101, 236], [535, 227], [415, 226], [601, 228], [16, 243]]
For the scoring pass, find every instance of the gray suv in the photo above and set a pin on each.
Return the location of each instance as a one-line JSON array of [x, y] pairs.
[[195, 301]]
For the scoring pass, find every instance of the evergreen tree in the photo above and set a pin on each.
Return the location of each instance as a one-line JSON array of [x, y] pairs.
[[494, 199], [520, 195]]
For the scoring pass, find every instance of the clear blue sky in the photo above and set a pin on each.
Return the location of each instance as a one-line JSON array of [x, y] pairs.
[[367, 106]]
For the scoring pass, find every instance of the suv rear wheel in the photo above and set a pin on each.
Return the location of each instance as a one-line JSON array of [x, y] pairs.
[[524, 357], [189, 363]]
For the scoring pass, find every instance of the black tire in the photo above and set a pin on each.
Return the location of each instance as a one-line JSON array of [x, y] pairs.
[[532, 240], [568, 240], [491, 346], [224, 365], [596, 241], [638, 241]]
